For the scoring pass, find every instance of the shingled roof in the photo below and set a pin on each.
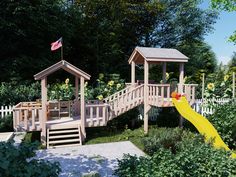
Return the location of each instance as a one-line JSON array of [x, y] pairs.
[[156, 55]]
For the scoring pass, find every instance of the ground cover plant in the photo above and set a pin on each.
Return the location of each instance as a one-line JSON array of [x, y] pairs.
[[192, 157], [19, 161]]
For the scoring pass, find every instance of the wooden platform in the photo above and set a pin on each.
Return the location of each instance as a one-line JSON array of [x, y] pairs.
[[63, 123]]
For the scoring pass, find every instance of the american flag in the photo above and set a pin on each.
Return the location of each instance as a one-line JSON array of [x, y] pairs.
[[56, 45]]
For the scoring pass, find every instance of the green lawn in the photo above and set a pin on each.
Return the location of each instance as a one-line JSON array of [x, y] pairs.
[[103, 135]]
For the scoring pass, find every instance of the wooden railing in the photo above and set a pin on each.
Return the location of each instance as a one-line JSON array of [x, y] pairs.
[[189, 91], [117, 94], [130, 98], [159, 95], [96, 115], [26, 117]]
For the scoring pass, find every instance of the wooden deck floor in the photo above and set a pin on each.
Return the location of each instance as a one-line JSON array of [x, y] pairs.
[[63, 123]]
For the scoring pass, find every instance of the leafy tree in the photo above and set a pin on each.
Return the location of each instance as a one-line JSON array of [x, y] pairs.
[[232, 62], [98, 35], [228, 5], [202, 59], [180, 21], [27, 28]]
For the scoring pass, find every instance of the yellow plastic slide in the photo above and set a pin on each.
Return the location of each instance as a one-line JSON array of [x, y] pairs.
[[201, 123]]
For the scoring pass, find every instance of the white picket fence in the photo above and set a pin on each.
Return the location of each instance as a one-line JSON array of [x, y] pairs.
[[206, 106], [5, 110]]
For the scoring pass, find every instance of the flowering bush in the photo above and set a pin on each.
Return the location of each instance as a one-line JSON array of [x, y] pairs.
[[63, 91], [219, 85], [105, 86]]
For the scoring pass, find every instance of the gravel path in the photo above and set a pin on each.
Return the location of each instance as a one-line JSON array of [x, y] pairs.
[[98, 158]]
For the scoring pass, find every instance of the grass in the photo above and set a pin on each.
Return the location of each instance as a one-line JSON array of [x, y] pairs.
[[103, 135]]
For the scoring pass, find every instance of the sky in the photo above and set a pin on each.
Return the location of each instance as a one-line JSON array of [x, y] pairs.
[[218, 38]]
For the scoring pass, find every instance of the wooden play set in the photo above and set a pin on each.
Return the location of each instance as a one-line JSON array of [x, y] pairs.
[[64, 122]]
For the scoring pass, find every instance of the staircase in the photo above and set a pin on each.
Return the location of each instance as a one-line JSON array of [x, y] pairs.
[[124, 100], [64, 137]]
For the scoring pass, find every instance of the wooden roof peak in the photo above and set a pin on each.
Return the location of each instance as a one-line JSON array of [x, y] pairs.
[[153, 55], [63, 64]]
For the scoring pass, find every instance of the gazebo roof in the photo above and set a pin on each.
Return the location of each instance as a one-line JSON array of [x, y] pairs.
[[65, 66], [156, 55]]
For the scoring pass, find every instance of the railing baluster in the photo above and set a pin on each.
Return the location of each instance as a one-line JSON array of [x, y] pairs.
[[91, 116], [33, 119], [104, 115], [168, 96], [26, 119], [162, 95], [97, 115]]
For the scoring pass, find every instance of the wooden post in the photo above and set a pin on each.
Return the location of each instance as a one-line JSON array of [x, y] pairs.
[[132, 73], [233, 85], [82, 107], [44, 109], [146, 72], [76, 95], [181, 77], [203, 85], [181, 82], [164, 72]]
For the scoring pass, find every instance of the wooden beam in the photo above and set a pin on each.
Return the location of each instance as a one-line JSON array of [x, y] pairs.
[[146, 77], [164, 72], [132, 72], [203, 85], [82, 107], [181, 77], [76, 95], [44, 109]]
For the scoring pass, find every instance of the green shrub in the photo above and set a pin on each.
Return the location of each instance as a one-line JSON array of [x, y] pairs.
[[13, 93], [6, 123], [224, 120], [193, 158], [167, 138], [19, 161]]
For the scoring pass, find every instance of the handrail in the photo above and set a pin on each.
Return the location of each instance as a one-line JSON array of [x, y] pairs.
[[188, 84], [130, 91], [117, 93], [159, 85]]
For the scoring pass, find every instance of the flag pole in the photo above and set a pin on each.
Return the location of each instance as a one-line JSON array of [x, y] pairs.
[[62, 49]]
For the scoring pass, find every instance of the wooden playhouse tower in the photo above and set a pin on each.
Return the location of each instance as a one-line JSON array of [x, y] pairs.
[[70, 129]]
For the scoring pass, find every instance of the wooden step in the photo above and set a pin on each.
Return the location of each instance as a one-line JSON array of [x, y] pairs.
[[62, 131], [66, 145], [64, 136], [64, 141]]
